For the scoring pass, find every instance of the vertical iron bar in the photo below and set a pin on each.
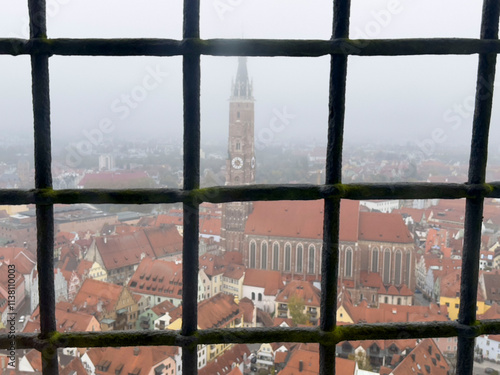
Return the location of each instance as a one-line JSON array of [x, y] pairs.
[[190, 261], [477, 174], [331, 225], [43, 180]]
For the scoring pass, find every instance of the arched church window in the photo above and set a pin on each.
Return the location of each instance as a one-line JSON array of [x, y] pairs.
[[288, 256], [408, 265], [252, 254], [263, 250], [276, 256], [300, 250], [397, 266], [375, 260], [311, 259], [348, 263], [387, 266]]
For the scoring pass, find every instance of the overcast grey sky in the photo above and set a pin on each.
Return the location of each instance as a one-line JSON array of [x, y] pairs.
[[389, 99]]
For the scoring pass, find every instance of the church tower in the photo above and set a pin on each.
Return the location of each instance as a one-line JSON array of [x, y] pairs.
[[240, 163]]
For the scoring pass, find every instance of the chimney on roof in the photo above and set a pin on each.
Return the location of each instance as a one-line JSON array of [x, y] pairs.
[[301, 366], [136, 351]]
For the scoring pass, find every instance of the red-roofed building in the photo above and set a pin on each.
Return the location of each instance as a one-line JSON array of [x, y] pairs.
[[120, 254], [287, 236], [306, 292], [377, 352], [426, 358], [67, 320], [262, 287], [304, 360], [113, 305], [231, 362], [232, 280], [132, 360], [158, 280]]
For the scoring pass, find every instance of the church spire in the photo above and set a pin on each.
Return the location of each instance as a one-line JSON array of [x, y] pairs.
[[242, 88]]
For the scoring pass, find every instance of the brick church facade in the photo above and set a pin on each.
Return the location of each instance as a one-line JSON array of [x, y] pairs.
[[377, 252]]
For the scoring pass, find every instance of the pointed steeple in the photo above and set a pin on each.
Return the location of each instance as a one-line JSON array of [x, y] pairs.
[[242, 88]]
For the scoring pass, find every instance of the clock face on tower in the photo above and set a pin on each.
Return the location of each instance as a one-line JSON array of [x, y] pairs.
[[237, 163]]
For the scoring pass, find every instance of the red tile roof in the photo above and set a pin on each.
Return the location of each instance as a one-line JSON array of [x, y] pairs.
[[390, 313], [300, 219], [380, 227], [163, 308], [129, 360], [84, 267], [24, 260], [210, 225], [223, 364], [234, 271], [123, 250], [269, 280], [75, 367], [213, 264], [307, 357], [162, 220], [217, 311], [426, 358], [94, 294], [492, 313], [165, 240], [34, 358], [66, 320], [247, 307], [157, 277], [233, 257], [491, 285], [303, 289], [450, 284]]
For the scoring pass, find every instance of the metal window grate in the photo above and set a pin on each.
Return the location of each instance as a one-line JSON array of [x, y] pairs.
[[191, 48]]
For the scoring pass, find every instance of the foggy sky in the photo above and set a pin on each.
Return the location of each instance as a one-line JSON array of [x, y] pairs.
[[389, 99]]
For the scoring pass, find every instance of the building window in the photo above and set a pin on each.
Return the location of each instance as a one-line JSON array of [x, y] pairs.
[[375, 260], [263, 255], [387, 266], [348, 263], [397, 272], [311, 260], [276, 256], [253, 256], [288, 256], [253, 296], [300, 250], [408, 270]]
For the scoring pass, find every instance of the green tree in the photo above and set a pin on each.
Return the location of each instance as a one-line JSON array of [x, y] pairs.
[[296, 308]]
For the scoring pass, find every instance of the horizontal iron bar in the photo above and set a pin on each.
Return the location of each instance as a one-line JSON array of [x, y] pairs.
[[248, 47], [252, 193], [379, 331]]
